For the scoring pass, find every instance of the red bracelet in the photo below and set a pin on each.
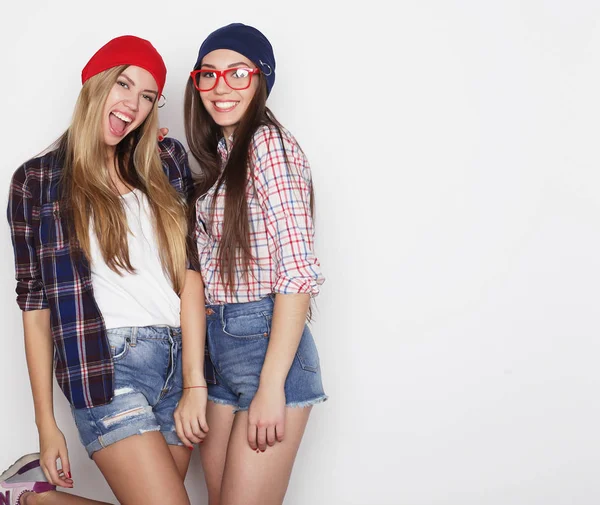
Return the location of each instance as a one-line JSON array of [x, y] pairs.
[[193, 387]]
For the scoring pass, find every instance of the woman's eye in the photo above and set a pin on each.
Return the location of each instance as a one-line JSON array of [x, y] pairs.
[[240, 73], [123, 84], [208, 75], [150, 98]]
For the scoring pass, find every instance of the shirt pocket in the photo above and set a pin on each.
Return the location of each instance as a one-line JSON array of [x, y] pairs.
[[52, 234]]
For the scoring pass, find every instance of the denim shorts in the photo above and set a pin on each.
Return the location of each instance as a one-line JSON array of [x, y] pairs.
[[237, 337], [148, 385]]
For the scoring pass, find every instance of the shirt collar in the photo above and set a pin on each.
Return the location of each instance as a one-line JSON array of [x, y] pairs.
[[222, 147]]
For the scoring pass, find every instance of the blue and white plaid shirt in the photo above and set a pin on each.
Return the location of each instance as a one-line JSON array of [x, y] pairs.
[[49, 277]]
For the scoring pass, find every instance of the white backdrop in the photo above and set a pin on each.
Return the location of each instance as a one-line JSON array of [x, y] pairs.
[[454, 152]]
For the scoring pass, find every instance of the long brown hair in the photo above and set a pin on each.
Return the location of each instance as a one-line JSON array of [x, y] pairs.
[[88, 194], [203, 136]]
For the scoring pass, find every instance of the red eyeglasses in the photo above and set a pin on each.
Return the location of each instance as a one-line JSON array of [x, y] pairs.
[[205, 79]]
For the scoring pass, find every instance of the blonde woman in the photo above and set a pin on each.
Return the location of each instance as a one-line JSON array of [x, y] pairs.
[[99, 233]]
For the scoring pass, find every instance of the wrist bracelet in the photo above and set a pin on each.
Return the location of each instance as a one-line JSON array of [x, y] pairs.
[[193, 387]]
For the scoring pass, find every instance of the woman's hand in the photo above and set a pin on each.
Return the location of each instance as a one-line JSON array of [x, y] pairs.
[[266, 417], [53, 447], [162, 133], [190, 416]]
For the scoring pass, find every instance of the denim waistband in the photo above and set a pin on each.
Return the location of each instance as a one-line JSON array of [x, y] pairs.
[[234, 309], [156, 332]]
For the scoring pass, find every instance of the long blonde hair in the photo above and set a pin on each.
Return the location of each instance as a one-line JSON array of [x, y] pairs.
[[89, 194]]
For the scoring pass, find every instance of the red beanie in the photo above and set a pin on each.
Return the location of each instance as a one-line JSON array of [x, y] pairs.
[[127, 50]]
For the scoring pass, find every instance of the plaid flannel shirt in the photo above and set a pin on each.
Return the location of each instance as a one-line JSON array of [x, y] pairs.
[[281, 225], [49, 277]]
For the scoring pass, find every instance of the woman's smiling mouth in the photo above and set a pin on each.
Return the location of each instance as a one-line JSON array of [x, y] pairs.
[[225, 106], [118, 122]]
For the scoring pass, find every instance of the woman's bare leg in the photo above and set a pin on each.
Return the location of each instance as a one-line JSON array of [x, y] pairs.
[[181, 455], [141, 469], [57, 498], [261, 478], [175, 469], [213, 450]]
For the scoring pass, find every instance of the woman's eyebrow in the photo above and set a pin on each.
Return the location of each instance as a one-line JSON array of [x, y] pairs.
[[133, 84], [243, 63], [238, 64], [128, 78]]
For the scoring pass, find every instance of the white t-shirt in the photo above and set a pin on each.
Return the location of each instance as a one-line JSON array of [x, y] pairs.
[[145, 297]]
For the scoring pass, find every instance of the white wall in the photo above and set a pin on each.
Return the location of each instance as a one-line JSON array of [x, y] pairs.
[[455, 154]]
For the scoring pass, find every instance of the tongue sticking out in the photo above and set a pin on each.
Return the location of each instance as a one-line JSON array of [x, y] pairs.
[[118, 125]]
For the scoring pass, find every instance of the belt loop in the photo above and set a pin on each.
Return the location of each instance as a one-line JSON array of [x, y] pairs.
[[133, 337], [222, 310]]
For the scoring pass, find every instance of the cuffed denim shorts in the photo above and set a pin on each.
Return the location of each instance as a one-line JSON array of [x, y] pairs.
[[237, 337], [148, 385]]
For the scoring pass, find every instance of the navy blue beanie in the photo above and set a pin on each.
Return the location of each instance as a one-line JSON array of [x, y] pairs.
[[245, 40]]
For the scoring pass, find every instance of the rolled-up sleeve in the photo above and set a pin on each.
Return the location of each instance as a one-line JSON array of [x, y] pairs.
[[283, 187], [21, 209]]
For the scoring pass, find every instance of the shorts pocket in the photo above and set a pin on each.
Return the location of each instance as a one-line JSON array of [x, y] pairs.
[[307, 353], [247, 326], [119, 346]]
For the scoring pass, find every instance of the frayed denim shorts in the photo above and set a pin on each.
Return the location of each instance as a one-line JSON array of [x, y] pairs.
[[237, 338], [148, 386]]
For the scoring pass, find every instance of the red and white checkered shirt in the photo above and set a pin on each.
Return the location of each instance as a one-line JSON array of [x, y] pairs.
[[281, 226]]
